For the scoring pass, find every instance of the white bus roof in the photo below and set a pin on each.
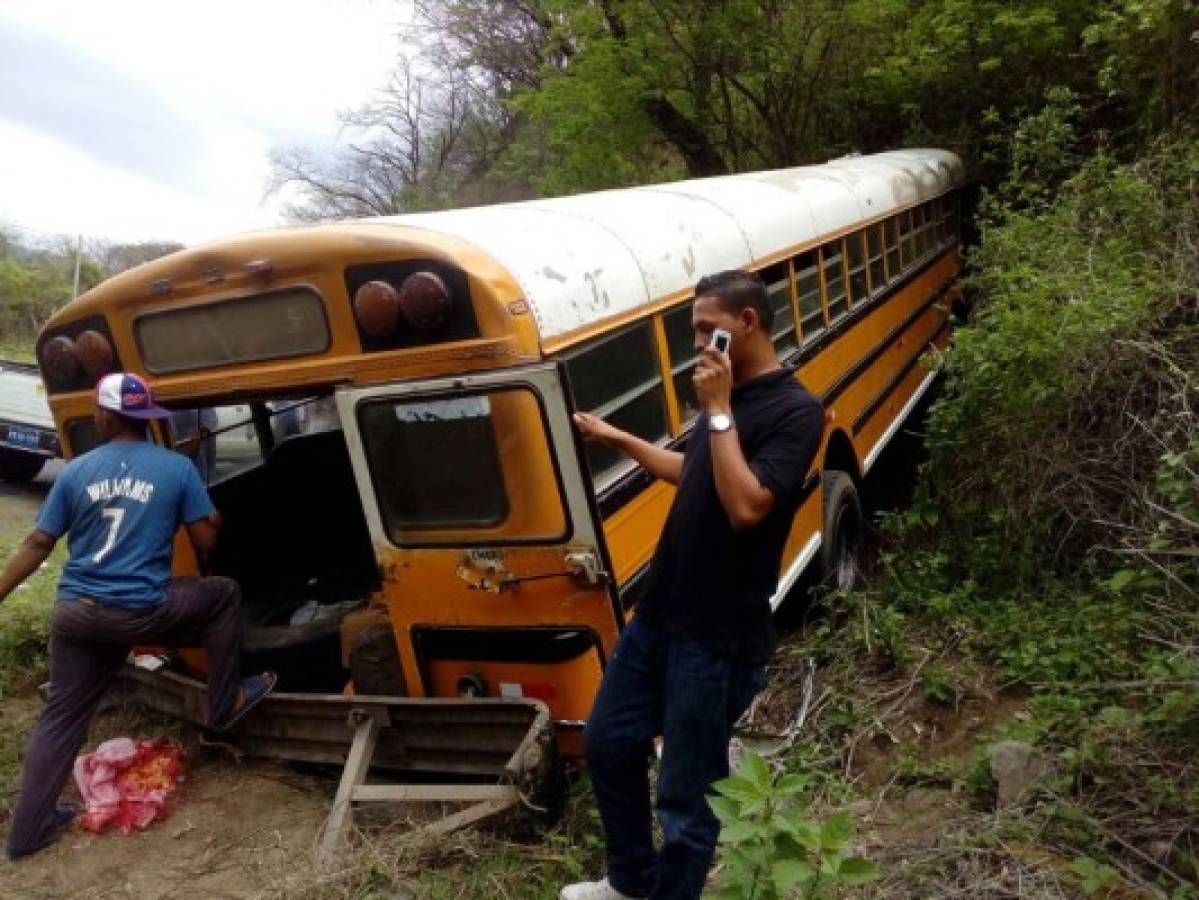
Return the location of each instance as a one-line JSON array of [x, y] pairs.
[[589, 257]]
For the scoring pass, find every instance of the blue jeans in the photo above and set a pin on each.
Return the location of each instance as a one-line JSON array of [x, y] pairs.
[[662, 683]]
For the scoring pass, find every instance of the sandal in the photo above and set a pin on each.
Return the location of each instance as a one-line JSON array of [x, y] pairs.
[[250, 692]]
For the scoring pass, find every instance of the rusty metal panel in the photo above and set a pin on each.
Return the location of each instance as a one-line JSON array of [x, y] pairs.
[[483, 736]]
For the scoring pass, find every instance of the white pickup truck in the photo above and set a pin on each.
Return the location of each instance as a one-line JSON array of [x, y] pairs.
[[27, 435]]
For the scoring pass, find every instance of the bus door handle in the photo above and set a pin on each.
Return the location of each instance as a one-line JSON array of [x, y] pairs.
[[583, 565]]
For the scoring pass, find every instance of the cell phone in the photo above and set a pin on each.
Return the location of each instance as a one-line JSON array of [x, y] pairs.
[[721, 340]]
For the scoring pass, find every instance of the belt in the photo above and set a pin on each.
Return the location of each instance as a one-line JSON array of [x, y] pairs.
[[93, 603]]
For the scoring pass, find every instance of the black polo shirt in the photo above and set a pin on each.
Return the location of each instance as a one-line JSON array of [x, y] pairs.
[[707, 580]]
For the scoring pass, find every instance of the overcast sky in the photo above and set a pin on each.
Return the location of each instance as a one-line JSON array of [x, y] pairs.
[[151, 120]]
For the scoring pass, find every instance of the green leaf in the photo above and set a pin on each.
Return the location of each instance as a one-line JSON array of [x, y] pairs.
[[806, 832], [790, 785], [739, 789], [790, 872], [857, 870], [1120, 580], [738, 832], [756, 771], [837, 831], [726, 810]]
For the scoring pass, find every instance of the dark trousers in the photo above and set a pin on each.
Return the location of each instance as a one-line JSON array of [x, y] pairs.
[[88, 645], [661, 683]]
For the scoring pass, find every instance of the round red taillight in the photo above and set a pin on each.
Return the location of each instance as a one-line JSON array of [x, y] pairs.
[[60, 364], [377, 309], [94, 353], [425, 301]]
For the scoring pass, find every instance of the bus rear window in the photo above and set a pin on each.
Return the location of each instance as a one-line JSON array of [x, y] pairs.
[[463, 469], [248, 329]]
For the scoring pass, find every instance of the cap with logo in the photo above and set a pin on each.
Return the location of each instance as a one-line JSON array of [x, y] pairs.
[[129, 395]]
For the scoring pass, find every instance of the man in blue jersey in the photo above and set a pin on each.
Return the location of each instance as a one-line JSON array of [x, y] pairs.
[[120, 506]]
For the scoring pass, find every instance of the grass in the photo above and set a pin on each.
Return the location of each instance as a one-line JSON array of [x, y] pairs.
[[24, 632], [25, 623], [474, 863], [16, 349]]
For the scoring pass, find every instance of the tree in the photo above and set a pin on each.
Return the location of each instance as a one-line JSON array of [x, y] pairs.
[[557, 96], [420, 143], [115, 258]]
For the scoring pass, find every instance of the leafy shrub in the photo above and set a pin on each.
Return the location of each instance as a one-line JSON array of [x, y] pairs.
[[769, 847], [1056, 530]]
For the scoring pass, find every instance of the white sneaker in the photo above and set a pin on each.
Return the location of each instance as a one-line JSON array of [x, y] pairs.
[[592, 890]]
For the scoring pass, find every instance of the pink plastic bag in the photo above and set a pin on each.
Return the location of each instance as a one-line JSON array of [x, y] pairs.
[[125, 783]]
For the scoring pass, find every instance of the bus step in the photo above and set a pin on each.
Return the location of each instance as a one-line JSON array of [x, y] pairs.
[[499, 751]]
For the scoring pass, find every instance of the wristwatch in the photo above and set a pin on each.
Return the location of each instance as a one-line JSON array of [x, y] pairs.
[[720, 422]]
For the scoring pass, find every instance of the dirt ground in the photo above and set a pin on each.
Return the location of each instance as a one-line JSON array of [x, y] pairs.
[[234, 827]]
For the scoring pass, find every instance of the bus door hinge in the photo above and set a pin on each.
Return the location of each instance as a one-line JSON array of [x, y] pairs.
[[585, 565]]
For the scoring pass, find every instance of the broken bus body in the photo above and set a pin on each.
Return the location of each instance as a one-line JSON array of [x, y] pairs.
[[381, 408]]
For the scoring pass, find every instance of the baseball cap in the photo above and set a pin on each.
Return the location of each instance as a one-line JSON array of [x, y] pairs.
[[129, 395]]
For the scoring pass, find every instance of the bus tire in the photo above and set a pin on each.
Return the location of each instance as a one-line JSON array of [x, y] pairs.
[[840, 552], [19, 467], [375, 664]]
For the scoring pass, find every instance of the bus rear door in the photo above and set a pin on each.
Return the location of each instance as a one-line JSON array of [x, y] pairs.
[[495, 574]]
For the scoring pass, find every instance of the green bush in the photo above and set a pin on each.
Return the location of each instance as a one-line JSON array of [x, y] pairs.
[[770, 848], [1056, 529]]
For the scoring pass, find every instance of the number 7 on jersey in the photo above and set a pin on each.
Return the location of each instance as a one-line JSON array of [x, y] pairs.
[[114, 515]]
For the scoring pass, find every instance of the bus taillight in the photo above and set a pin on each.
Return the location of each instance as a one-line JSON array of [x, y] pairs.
[[94, 352], [60, 362], [377, 308], [422, 303], [425, 301]]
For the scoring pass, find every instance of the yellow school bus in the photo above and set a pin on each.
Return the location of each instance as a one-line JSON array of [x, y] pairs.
[[381, 408]]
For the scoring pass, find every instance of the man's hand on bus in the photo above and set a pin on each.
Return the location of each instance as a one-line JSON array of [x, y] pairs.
[[593, 428], [713, 381], [658, 461]]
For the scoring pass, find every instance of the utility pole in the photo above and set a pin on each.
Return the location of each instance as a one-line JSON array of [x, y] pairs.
[[78, 256]]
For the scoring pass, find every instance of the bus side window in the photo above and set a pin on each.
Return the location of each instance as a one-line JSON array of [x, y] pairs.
[[617, 378], [874, 253], [930, 226], [778, 286], [856, 254], [680, 344], [834, 280], [807, 283], [919, 232], [891, 232], [905, 238]]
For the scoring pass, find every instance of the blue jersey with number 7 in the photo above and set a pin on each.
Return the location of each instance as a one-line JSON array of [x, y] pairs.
[[120, 506]]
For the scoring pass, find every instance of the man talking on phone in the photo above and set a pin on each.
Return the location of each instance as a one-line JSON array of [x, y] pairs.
[[694, 656]]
